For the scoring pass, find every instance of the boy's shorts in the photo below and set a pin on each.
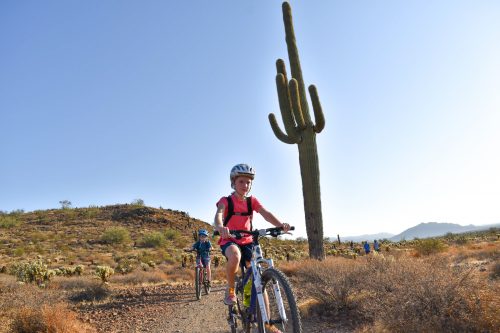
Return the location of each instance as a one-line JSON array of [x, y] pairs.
[[205, 261], [246, 250]]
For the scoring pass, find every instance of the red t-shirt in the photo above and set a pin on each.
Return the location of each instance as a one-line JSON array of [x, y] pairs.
[[238, 222]]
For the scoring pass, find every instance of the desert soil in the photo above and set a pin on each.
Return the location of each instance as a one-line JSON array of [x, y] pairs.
[[172, 309]]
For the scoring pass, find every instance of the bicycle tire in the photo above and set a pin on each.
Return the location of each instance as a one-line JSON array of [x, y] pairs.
[[293, 324], [206, 282], [232, 319], [197, 283]]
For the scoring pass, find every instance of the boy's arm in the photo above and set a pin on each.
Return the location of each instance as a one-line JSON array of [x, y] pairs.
[[269, 217], [219, 221]]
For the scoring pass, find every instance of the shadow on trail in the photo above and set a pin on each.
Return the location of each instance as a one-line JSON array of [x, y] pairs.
[[150, 296]]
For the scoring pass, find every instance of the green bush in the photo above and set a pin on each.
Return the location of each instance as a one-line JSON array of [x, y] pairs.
[[116, 235], [153, 239], [429, 246], [172, 234], [8, 221]]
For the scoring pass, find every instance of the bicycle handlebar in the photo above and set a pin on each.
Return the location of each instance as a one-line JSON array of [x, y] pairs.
[[274, 232]]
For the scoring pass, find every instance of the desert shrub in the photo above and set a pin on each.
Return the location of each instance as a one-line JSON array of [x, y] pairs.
[[426, 296], [429, 246], [171, 234], [340, 280], [19, 251], [116, 235], [402, 294], [461, 240], [90, 212], [153, 239], [7, 221], [104, 272], [48, 318]]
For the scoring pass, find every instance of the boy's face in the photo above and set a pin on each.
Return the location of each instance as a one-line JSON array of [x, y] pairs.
[[242, 185], [203, 238]]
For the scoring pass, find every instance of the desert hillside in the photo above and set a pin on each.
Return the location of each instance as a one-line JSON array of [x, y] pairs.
[[122, 268], [96, 235]]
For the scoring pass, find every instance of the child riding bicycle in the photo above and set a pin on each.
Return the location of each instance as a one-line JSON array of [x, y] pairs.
[[235, 212], [203, 248]]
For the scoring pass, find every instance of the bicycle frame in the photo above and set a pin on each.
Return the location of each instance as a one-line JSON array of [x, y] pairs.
[[255, 270], [200, 276]]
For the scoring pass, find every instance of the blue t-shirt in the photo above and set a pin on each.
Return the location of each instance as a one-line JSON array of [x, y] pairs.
[[202, 248]]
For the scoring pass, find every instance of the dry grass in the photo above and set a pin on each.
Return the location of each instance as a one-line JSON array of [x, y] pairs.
[[403, 294], [55, 319], [27, 308]]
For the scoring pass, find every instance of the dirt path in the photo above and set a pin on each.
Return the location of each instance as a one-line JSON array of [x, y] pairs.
[[166, 309]]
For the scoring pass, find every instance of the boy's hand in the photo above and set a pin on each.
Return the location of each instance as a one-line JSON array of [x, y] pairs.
[[285, 226], [223, 231]]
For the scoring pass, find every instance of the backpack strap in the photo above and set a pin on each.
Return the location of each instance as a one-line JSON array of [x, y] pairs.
[[230, 210]]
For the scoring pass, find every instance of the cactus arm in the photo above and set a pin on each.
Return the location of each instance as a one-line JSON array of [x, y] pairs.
[[279, 133], [295, 99], [285, 106], [281, 67], [318, 111]]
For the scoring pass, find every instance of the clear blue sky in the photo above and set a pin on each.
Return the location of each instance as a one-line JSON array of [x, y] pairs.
[[104, 102]]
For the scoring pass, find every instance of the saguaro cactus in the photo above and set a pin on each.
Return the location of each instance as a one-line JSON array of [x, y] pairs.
[[302, 131]]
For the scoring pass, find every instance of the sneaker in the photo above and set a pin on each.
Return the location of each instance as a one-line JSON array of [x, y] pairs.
[[272, 329], [230, 298]]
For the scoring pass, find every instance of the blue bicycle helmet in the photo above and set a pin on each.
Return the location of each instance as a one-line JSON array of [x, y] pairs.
[[203, 232]]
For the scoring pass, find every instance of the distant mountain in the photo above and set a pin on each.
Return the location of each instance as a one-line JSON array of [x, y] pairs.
[[434, 229], [367, 237]]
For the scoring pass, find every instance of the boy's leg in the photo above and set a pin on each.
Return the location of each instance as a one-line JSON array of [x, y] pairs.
[[206, 263], [233, 255]]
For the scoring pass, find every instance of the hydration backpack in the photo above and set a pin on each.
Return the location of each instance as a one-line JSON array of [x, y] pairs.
[[231, 212]]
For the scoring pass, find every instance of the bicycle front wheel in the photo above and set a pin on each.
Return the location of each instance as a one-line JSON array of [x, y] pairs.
[[282, 310]]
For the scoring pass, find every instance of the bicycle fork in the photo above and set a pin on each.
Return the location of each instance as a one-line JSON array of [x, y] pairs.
[[279, 301], [260, 295]]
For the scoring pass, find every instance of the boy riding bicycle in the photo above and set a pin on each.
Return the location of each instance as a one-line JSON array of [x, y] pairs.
[[235, 212], [203, 248]]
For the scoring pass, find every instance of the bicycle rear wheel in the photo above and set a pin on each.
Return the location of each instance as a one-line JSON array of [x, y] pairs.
[[197, 282], [288, 319], [206, 283]]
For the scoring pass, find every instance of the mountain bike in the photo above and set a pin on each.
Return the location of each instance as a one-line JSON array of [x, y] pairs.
[[272, 301], [200, 277]]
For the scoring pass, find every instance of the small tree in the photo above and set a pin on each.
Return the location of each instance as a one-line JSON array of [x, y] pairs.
[[138, 202], [65, 204]]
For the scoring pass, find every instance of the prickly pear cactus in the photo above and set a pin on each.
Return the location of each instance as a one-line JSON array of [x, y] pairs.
[[301, 130]]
